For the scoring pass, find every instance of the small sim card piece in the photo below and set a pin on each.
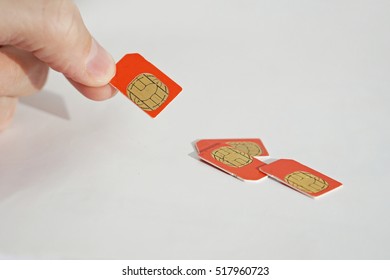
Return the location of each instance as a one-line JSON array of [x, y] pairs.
[[251, 146], [144, 84], [233, 161], [300, 177]]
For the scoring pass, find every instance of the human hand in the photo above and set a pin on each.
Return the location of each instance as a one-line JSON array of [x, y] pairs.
[[35, 35]]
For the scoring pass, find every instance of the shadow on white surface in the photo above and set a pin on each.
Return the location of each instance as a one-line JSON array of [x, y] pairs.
[[194, 153], [48, 102]]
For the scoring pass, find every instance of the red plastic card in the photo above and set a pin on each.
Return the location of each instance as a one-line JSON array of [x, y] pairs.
[[233, 161], [144, 84], [251, 146], [300, 177]]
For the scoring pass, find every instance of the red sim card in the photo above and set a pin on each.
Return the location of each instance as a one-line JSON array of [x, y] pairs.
[[234, 162], [300, 177], [144, 84], [251, 146]]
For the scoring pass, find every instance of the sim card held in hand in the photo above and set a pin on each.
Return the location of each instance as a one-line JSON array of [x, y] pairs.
[[233, 161], [300, 177], [144, 84]]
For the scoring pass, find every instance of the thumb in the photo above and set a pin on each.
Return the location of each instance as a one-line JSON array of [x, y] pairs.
[[54, 32]]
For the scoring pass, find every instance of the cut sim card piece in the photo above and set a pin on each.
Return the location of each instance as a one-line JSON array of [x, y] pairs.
[[233, 161], [300, 177], [251, 146], [144, 84]]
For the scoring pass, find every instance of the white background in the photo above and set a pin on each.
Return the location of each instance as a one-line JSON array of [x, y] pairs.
[[81, 179]]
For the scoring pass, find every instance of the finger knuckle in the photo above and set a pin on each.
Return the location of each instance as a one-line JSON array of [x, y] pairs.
[[61, 21]]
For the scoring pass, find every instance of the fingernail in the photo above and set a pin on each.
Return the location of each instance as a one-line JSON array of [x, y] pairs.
[[100, 65]]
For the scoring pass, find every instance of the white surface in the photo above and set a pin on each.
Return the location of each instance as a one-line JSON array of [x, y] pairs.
[[80, 179]]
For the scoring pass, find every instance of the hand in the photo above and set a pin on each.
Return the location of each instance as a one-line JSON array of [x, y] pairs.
[[35, 35]]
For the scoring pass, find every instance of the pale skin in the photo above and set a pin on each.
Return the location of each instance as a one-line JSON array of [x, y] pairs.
[[36, 35]]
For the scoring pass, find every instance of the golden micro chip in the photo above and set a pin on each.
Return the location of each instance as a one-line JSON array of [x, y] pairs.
[[147, 92], [249, 148], [231, 157], [306, 181]]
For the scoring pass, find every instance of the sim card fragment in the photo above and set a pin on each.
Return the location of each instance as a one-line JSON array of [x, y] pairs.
[[300, 177], [234, 156], [241, 158], [251, 146], [144, 84], [234, 162]]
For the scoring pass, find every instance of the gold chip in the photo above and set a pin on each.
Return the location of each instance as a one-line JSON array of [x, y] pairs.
[[306, 182], [249, 148], [147, 92], [231, 157]]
